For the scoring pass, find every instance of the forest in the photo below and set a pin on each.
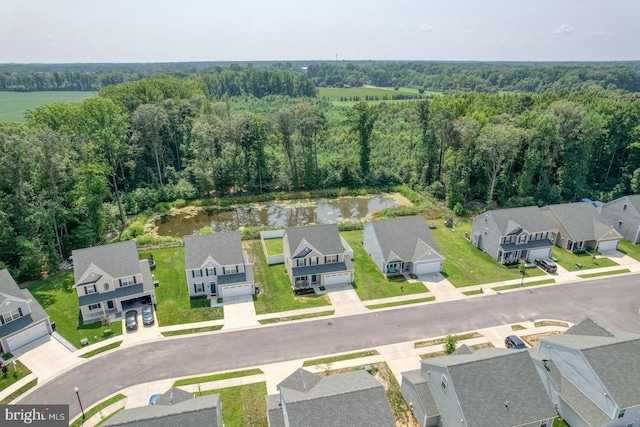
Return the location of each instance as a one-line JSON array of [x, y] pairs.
[[74, 173]]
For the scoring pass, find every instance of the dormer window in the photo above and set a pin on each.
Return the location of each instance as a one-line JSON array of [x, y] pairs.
[[11, 316]]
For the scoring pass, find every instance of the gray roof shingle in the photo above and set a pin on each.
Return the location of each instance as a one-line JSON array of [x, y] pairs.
[[225, 248], [409, 238], [8, 286], [528, 218], [582, 221], [37, 315], [274, 411], [116, 259], [324, 238]]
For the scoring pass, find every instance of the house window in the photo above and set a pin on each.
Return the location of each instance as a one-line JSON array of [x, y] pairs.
[[232, 269], [301, 262], [313, 260], [197, 273], [619, 224], [94, 306], [331, 259], [12, 315], [211, 271], [106, 286], [523, 238], [88, 290], [624, 207], [128, 281], [198, 287], [621, 413], [444, 382]]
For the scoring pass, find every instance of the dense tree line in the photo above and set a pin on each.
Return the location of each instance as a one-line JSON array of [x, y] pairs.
[[74, 172]]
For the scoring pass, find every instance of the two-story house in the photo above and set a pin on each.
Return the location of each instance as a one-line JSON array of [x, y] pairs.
[[22, 319], [623, 214], [315, 256], [579, 226], [509, 235], [217, 266], [110, 279], [592, 375], [494, 387]]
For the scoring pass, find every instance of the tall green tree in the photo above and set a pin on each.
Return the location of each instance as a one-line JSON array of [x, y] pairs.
[[361, 119]]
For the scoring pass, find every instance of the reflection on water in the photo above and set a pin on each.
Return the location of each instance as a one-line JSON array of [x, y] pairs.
[[278, 214]]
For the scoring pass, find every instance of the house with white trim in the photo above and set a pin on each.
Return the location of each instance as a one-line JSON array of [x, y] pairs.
[[623, 214]]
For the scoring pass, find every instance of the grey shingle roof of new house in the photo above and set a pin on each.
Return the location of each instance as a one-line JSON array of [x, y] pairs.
[[409, 238], [8, 286], [325, 238], [582, 221], [145, 287], [634, 200], [528, 217], [347, 400], [37, 314], [116, 259], [200, 411], [274, 411], [225, 248], [482, 388]]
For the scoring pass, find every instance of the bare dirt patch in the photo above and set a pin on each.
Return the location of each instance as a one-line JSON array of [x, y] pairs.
[[534, 339], [551, 323]]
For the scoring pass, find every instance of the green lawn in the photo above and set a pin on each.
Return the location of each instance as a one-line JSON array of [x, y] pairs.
[[14, 376], [275, 288], [217, 377], [101, 349], [569, 260], [274, 246], [369, 281], [19, 392], [57, 296], [398, 303], [628, 248], [173, 303], [243, 405], [97, 408], [604, 273], [465, 265], [14, 104], [524, 285]]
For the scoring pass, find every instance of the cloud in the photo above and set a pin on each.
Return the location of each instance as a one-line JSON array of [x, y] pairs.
[[49, 38], [426, 28], [564, 28]]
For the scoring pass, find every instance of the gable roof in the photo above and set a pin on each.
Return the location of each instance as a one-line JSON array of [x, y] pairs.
[[582, 221], [9, 287], [479, 380], [225, 248], [408, 239], [174, 395], [36, 315], [634, 201], [200, 411], [509, 221], [613, 357], [350, 399], [116, 259], [324, 238]]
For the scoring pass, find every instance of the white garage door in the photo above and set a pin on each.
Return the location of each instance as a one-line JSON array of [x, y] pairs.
[[236, 290], [539, 253], [337, 279], [609, 245], [426, 268], [26, 336]]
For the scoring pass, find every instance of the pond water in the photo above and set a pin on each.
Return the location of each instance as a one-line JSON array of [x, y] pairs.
[[290, 213]]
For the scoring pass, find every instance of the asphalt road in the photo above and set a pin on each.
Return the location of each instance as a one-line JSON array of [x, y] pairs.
[[614, 301]]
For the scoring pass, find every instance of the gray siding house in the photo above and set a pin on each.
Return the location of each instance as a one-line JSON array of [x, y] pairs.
[[403, 244], [315, 256], [110, 279], [509, 235], [623, 214], [305, 399], [22, 319], [488, 387], [579, 226], [592, 375], [175, 408], [217, 266]]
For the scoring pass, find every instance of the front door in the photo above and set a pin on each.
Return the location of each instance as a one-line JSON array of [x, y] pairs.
[[110, 305], [314, 278], [214, 291]]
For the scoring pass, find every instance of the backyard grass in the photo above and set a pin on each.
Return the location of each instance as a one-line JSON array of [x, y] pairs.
[[525, 284], [604, 273], [465, 265], [217, 377], [57, 296], [275, 288], [298, 317], [173, 303], [191, 331], [19, 392], [558, 422], [397, 303], [569, 260], [333, 359], [13, 376], [628, 248], [14, 104], [274, 246], [97, 408], [243, 405], [101, 349], [369, 281]]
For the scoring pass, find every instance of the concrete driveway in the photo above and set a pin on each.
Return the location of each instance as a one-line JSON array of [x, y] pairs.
[[345, 300], [46, 357], [239, 313]]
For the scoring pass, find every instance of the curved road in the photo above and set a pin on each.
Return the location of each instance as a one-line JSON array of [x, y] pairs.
[[614, 301]]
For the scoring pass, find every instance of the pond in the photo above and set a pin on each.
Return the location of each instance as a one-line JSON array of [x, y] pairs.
[[290, 213]]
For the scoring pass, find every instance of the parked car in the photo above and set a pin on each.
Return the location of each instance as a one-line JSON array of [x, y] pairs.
[[131, 320], [546, 264], [513, 341], [147, 315]]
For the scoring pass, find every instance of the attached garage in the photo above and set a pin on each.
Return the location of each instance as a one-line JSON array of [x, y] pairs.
[[538, 253], [427, 268], [337, 278], [607, 245], [235, 290], [26, 336]]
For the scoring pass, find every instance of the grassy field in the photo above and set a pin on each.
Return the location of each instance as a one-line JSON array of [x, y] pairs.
[[274, 246], [352, 95], [14, 376], [57, 296], [173, 303], [569, 260], [628, 248], [243, 405], [369, 281], [14, 104], [465, 265]]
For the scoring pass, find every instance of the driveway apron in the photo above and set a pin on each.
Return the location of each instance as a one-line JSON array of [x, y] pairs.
[[239, 312]]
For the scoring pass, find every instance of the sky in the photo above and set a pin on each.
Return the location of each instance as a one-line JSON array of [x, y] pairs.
[[80, 31]]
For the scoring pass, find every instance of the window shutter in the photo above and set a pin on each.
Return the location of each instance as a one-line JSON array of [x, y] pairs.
[[134, 280], [214, 271], [1, 320], [120, 282], [20, 311], [195, 287], [95, 289], [223, 270], [193, 273], [206, 271]]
